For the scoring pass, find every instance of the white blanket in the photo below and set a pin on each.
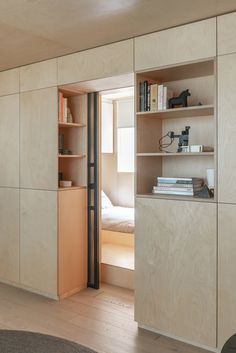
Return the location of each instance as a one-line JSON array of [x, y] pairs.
[[118, 219]]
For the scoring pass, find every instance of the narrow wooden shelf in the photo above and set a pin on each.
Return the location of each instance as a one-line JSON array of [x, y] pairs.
[[71, 156], [72, 188], [70, 125], [189, 112], [181, 154], [176, 197]]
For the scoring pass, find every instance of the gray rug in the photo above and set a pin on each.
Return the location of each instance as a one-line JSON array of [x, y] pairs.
[[30, 342]]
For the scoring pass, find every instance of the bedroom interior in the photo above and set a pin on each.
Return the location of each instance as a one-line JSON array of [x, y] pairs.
[[117, 183], [117, 198]]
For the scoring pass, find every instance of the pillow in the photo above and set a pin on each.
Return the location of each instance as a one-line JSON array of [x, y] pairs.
[[106, 202]]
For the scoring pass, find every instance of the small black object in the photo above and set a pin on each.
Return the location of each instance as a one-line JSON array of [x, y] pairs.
[[61, 143], [180, 101], [183, 138], [205, 193], [230, 345]]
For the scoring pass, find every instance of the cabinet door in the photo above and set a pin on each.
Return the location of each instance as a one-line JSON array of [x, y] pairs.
[[38, 139], [9, 140], [72, 241], [38, 241], [226, 33], [105, 61], [9, 234], [227, 128], [175, 268], [227, 272], [176, 45]]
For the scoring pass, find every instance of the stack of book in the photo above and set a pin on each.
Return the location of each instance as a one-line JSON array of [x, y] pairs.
[[178, 186], [64, 110], [153, 97]]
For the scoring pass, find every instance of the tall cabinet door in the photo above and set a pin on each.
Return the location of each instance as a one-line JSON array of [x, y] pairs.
[[227, 128], [175, 268], [227, 272]]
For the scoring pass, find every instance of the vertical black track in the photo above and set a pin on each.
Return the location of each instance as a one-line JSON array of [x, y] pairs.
[[93, 190]]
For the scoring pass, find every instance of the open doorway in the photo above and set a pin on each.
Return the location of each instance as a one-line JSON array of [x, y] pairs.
[[117, 187]]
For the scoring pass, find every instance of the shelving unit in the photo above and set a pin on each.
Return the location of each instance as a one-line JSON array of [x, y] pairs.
[[73, 166], [151, 126], [72, 201]]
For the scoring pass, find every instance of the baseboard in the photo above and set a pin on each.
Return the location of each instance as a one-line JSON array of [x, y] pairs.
[[29, 289], [117, 276], [181, 339]]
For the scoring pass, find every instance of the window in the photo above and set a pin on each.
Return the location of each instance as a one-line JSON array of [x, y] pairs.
[[125, 136], [107, 126]]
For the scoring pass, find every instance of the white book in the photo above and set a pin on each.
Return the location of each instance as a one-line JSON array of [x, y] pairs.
[[160, 97], [154, 97], [65, 103]]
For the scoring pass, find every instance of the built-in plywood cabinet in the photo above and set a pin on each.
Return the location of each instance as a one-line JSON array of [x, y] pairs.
[[226, 128], [157, 154], [38, 241], [175, 268], [226, 272], [226, 33], [9, 140], [176, 45], [38, 139], [72, 232], [9, 235]]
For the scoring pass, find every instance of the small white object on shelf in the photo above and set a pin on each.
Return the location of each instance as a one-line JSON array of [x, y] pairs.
[[65, 183]]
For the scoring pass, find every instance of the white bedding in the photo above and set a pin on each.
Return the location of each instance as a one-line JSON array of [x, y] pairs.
[[118, 219]]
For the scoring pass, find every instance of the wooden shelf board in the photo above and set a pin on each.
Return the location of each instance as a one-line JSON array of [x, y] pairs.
[[175, 197], [71, 156], [72, 188], [181, 154], [194, 111], [69, 125]]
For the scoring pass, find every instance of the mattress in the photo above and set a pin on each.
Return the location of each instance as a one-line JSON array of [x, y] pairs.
[[118, 219]]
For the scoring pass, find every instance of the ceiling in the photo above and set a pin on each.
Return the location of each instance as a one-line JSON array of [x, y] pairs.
[[35, 30]]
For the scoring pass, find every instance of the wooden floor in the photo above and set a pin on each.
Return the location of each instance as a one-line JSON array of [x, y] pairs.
[[118, 255], [102, 320]]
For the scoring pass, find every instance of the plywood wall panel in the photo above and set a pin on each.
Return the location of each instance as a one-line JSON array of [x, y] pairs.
[[9, 82], [226, 33], [190, 42], [109, 60], [175, 267]]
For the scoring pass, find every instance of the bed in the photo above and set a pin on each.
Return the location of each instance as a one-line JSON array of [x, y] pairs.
[[116, 218]]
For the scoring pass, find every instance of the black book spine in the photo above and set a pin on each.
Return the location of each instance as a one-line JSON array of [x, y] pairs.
[[148, 97], [141, 97], [145, 95]]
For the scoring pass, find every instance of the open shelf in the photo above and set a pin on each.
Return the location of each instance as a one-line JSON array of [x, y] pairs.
[[182, 154], [70, 125], [194, 111], [176, 197], [71, 188], [71, 156]]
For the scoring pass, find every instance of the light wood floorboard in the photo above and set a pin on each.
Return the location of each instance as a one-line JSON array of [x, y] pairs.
[[102, 320]]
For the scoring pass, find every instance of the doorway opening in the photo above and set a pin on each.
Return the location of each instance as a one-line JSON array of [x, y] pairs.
[[117, 187], [96, 154]]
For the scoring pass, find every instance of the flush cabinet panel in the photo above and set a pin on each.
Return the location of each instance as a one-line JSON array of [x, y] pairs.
[[226, 128], [39, 139], [9, 82], [226, 33], [105, 61], [176, 45], [175, 268], [9, 235], [72, 251], [227, 272], [9, 140], [38, 241]]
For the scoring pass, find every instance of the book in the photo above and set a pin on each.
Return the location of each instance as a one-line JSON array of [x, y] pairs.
[[141, 97], [148, 97], [167, 94], [160, 97], [61, 109], [65, 106], [179, 180], [154, 89], [180, 193], [145, 83]]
